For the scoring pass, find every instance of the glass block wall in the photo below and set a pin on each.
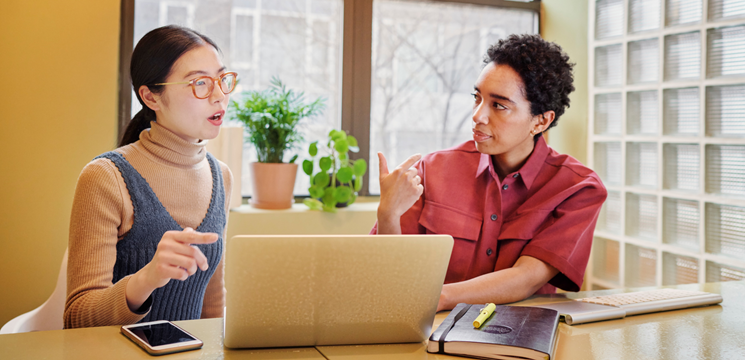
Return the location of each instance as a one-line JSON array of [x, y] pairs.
[[667, 136]]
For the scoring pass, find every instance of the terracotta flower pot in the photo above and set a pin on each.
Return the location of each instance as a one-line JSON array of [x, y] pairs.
[[273, 185]]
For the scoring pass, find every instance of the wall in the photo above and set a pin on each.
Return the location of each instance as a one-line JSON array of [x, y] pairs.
[[565, 23], [59, 103]]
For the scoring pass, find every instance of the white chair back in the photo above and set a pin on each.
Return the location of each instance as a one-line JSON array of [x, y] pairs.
[[48, 316]]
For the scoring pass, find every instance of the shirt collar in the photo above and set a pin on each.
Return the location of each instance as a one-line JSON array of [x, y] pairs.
[[529, 171]]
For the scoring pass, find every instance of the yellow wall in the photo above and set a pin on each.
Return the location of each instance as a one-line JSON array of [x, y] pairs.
[[565, 23], [58, 105]]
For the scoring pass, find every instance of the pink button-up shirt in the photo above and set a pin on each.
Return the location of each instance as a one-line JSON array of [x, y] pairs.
[[546, 210]]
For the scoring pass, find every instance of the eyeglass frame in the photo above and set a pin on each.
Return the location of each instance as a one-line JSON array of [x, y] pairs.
[[214, 80]]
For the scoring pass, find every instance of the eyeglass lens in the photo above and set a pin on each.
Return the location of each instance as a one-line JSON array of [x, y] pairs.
[[203, 86]]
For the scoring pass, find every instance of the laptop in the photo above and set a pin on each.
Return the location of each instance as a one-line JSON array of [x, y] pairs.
[[308, 290]]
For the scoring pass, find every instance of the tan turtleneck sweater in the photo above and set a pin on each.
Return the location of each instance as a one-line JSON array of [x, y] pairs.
[[102, 213]]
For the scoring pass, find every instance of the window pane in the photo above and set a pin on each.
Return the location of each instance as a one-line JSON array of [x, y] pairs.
[[725, 52], [608, 66], [725, 170], [426, 57], [642, 113], [641, 266], [608, 120], [678, 12], [725, 111], [641, 164], [683, 56], [643, 66], [680, 220], [681, 162], [641, 216], [644, 15], [717, 272], [610, 215], [681, 111], [608, 18], [605, 253], [678, 269], [608, 163], [726, 9], [725, 230], [297, 40]]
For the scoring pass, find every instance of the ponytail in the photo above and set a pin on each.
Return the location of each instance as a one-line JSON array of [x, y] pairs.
[[140, 122]]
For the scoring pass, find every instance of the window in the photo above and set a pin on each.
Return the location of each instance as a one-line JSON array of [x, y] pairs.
[[668, 140], [397, 74], [426, 57]]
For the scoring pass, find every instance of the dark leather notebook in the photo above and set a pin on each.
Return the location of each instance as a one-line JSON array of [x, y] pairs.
[[511, 332]]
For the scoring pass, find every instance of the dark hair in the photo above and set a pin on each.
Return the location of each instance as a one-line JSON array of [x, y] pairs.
[[544, 68], [152, 60]]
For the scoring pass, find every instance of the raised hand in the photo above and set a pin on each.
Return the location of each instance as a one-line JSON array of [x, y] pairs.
[[399, 189]]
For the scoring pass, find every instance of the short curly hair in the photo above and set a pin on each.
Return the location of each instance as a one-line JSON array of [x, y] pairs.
[[544, 68]]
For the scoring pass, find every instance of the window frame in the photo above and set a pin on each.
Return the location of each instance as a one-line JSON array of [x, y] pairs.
[[356, 66]]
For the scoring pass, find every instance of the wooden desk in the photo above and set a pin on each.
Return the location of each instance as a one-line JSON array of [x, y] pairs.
[[714, 332]]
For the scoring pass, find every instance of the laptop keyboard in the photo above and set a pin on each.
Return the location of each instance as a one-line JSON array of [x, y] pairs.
[[641, 297]]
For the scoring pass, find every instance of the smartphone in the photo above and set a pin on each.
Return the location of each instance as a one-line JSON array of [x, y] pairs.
[[161, 337]]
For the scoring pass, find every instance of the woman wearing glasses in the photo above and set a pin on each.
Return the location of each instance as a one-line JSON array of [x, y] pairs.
[[149, 218]]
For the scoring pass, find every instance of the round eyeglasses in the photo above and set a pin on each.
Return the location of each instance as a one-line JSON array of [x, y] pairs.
[[203, 86]]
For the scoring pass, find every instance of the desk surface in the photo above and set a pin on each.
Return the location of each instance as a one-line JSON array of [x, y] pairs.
[[713, 332]]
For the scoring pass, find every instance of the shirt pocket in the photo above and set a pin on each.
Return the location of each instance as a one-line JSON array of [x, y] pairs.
[[524, 226], [442, 219]]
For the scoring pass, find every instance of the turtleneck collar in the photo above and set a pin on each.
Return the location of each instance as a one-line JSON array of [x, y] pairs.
[[166, 146]]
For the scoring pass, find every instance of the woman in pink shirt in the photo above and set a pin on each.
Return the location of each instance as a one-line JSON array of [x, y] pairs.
[[522, 215]]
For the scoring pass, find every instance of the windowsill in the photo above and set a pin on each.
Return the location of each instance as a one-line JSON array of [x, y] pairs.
[[357, 218]]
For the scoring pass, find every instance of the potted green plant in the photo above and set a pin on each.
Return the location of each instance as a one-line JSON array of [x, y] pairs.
[[271, 120], [337, 178]]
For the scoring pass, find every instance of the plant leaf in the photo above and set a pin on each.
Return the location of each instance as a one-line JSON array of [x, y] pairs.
[[321, 179], [360, 167], [344, 175], [313, 149], [358, 183], [308, 167], [337, 135], [352, 141], [341, 146], [316, 192], [325, 163], [292, 159], [353, 199], [342, 194], [313, 204]]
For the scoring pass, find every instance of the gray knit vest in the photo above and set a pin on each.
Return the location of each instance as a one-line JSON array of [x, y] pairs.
[[177, 300]]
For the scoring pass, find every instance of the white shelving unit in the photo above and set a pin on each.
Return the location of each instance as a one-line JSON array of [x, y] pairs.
[[667, 137]]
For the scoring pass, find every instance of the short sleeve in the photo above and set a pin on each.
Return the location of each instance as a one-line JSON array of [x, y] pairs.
[[566, 239]]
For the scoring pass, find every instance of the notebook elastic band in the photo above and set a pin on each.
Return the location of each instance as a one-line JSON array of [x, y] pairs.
[[457, 317]]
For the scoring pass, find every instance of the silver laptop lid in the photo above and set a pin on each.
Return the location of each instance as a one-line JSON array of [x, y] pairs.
[[332, 289]]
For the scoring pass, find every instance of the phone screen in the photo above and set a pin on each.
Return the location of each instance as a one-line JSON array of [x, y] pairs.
[[160, 334]]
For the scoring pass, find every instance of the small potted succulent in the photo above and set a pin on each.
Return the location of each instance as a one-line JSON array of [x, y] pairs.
[[271, 120], [335, 179]]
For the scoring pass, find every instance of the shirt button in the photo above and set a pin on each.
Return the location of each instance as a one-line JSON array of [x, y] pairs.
[[516, 175], [488, 252], [493, 217], [505, 186]]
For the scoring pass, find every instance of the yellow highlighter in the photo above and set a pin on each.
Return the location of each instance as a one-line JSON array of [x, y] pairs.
[[485, 313]]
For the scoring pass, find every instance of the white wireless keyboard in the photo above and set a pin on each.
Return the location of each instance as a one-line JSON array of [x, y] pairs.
[[642, 302], [618, 306]]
